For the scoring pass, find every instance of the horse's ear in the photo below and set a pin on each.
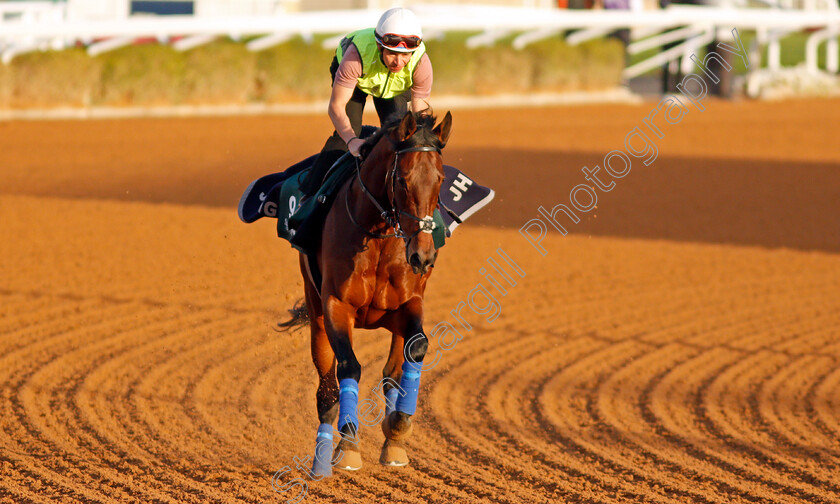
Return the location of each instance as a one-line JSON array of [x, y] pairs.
[[443, 129], [407, 127]]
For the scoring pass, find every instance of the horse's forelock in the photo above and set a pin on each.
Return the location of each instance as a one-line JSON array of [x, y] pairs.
[[424, 135]]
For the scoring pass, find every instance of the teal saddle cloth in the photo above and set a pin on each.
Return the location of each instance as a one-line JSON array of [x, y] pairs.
[[278, 196]]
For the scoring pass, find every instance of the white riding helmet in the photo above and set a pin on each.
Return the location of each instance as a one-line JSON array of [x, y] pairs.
[[399, 30]]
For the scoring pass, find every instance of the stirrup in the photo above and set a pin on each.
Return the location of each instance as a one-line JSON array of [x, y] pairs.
[[306, 197]]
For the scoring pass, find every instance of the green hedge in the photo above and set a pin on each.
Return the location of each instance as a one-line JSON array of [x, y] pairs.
[[225, 72]]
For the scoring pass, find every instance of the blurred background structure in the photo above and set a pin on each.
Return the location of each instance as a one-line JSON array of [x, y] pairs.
[[657, 34]]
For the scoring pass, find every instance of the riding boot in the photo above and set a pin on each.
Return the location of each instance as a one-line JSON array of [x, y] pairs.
[[333, 148], [320, 167]]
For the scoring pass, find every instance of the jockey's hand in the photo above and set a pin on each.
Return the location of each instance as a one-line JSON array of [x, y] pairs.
[[354, 145]]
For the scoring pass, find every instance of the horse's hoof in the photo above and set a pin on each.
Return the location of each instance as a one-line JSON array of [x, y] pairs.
[[321, 469], [351, 460], [393, 454], [396, 426], [348, 455]]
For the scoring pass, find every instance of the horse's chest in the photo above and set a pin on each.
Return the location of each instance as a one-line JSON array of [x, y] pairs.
[[390, 291]]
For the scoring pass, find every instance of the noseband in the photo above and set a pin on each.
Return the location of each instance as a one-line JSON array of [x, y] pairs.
[[391, 217]]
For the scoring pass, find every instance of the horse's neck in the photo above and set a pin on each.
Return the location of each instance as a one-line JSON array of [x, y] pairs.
[[374, 174]]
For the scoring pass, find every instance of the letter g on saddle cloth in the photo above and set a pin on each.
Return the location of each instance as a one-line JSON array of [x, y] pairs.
[[278, 196]]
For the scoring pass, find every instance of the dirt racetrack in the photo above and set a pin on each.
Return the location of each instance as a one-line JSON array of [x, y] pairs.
[[679, 345]]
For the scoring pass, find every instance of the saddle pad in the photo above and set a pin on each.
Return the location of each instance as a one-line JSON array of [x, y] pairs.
[[260, 198], [278, 196], [461, 196]]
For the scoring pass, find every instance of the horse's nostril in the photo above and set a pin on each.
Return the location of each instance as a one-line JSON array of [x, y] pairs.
[[414, 260]]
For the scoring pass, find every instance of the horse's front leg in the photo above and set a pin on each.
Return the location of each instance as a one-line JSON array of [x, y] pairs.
[[401, 401], [339, 318]]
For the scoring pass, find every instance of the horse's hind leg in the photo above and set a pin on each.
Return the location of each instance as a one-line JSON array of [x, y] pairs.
[[393, 450], [327, 395]]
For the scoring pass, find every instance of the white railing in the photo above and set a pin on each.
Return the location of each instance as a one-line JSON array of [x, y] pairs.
[[695, 26], [19, 14], [31, 12]]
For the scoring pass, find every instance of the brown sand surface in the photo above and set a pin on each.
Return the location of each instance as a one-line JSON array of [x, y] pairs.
[[679, 345]]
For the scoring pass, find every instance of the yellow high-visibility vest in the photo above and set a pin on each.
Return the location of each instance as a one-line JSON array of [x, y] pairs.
[[376, 79]]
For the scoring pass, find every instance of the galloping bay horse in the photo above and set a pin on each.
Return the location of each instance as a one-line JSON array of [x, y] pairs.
[[375, 258]]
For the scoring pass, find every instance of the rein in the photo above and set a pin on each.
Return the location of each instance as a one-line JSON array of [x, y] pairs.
[[391, 217]]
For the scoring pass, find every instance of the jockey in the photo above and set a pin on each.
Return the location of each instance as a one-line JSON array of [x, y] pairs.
[[390, 64]]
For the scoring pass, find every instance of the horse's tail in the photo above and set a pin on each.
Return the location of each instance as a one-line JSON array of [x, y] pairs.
[[300, 317]]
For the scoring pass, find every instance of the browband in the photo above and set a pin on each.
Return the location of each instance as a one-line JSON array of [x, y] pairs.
[[420, 148]]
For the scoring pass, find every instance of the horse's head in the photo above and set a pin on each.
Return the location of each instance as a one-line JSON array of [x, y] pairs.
[[413, 182]]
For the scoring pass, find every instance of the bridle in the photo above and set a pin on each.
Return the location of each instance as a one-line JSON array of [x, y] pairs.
[[391, 217]]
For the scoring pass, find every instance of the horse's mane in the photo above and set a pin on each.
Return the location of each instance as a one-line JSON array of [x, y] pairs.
[[423, 136]]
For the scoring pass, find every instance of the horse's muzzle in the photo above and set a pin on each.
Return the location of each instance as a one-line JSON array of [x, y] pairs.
[[421, 263]]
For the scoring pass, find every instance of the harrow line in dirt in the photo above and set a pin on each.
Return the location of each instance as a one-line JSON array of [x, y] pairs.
[[616, 405], [735, 429], [410, 486], [824, 404], [453, 460], [371, 452], [757, 419], [87, 437], [670, 395], [814, 418], [667, 387], [452, 480], [742, 440], [141, 328], [138, 361], [573, 470], [54, 324], [599, 438], [24, 309], [727, 451], [632, 483], [789, 425], [23, 482], [38, 476], [776, 414], [709, 329], [154, 440], [45, 340]]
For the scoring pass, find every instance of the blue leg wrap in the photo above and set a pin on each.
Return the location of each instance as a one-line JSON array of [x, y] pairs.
[[391, 400], [322, 464], [348, 403], [410, 383]]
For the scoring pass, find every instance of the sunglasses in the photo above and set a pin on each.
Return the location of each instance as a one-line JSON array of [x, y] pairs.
[[393, 40]]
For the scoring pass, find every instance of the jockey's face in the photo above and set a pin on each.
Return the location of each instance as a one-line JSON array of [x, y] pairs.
[[395, 61]]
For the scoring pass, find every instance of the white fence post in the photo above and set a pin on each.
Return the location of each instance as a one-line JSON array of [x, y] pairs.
[[831, 52]]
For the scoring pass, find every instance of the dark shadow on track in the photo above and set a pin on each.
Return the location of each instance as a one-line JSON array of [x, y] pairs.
[[764, 203], [742, 202]]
